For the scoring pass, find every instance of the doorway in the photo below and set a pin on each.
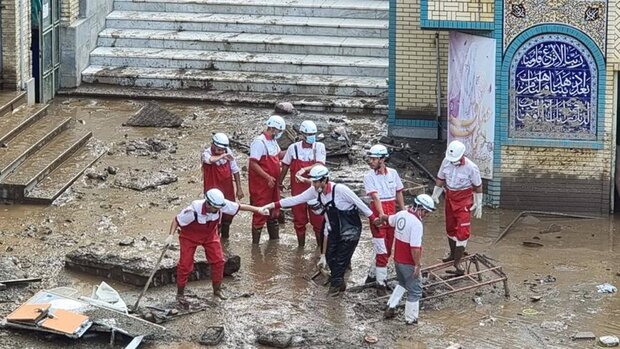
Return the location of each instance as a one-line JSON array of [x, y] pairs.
[[45, 48]]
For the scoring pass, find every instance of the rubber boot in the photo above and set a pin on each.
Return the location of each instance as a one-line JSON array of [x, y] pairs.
[[301, 240], [459, 251], [181, 297], [273, 228], [281, 217], [412, 311], [256, 235], [381, 276], [217, 291], [225, 230], [372, 273], [452, 244]]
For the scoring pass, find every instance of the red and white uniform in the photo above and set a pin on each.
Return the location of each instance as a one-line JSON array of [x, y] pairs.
[[265, 151], [386, 184], [460, 181], [407, 236], [200, 228], [219, 175], [297, 157]]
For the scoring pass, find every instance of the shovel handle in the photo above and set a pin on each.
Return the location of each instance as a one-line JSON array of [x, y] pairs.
[[148, 282]]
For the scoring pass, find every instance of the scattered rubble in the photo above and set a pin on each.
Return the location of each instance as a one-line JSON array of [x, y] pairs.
[[583, 336], [150, 147], [143, 180], [606, 288], [276, 339], [153, 115], [212, 336], [286, 108], [609, 341]]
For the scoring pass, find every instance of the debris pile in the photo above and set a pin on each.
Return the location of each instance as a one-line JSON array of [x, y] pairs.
[[153, 115], [133, 266]]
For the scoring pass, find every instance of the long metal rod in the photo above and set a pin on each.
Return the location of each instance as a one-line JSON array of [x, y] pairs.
[[146, 286]]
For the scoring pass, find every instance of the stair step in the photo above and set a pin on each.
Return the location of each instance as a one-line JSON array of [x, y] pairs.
[[244, 42], [47, 158], [208, 22], [13, 123], [306, 103], [29, 141], [59, 180], [303, 8], [240, 61], [11, 100], [236, 81]]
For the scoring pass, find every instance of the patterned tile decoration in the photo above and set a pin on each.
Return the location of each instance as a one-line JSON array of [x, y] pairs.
[[553, 89], [589, 16]]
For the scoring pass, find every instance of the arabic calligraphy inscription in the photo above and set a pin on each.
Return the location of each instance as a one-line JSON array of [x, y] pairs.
[[553, 95]]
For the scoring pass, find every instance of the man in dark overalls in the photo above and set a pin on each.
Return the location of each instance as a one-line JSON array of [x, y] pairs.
[[341, 210]]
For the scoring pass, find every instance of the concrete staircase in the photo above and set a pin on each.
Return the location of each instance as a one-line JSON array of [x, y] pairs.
[[41, 155], [328, 49]]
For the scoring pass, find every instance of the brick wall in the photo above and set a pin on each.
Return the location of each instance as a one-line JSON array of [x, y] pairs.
[[69, 10], [461, 10], [13, 73], [416, 79]]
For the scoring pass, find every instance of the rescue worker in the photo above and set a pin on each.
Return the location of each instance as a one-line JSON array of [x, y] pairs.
[[198, 224], [264, 172], [341, 209], [218, 169], [300, 157], [385, 190], [460, 179], [407, 257]]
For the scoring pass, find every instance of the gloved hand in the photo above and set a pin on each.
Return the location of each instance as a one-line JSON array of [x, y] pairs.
[[265, 209], [322, 262], [437, 191], [169, 239], [477, 206], [299, 176]]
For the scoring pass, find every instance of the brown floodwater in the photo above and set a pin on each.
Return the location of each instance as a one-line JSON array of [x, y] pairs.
[[579, 255]]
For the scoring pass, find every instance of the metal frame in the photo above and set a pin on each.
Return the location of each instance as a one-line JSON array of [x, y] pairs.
[[473, 280]]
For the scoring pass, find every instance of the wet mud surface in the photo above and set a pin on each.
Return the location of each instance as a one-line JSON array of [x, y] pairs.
[[553, 286]]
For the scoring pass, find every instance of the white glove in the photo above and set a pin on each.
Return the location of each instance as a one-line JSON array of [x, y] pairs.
[[437, 191], [265, 209], [169, 239], [477, 206], [300, 175], [322, 262]]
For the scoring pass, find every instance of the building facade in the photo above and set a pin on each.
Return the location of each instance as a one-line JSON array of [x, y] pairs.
[[552, 137]]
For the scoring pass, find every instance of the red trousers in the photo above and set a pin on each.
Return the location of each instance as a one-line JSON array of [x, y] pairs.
[[213, 251], [303, 215], [385, 232], [458, 217]]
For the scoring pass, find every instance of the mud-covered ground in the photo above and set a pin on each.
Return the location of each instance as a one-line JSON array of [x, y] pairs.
[[562, 275]]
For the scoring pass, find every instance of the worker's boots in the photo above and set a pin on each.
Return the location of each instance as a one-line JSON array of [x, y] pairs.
[[181, 297], [381, 290], [301, 240], [256, 235], [389, 313], [273, 228], [452, 244], [217, 291], [459, 251], [225, 230]]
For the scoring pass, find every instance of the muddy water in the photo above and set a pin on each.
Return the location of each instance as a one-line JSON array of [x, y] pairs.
[[581, 255]]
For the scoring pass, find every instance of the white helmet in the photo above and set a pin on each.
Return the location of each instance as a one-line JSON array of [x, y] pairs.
[[215, 198], [276, 122], [455, 151], [378, 151], [220, 140], [425, 201], [308, 127], [318, 173]]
